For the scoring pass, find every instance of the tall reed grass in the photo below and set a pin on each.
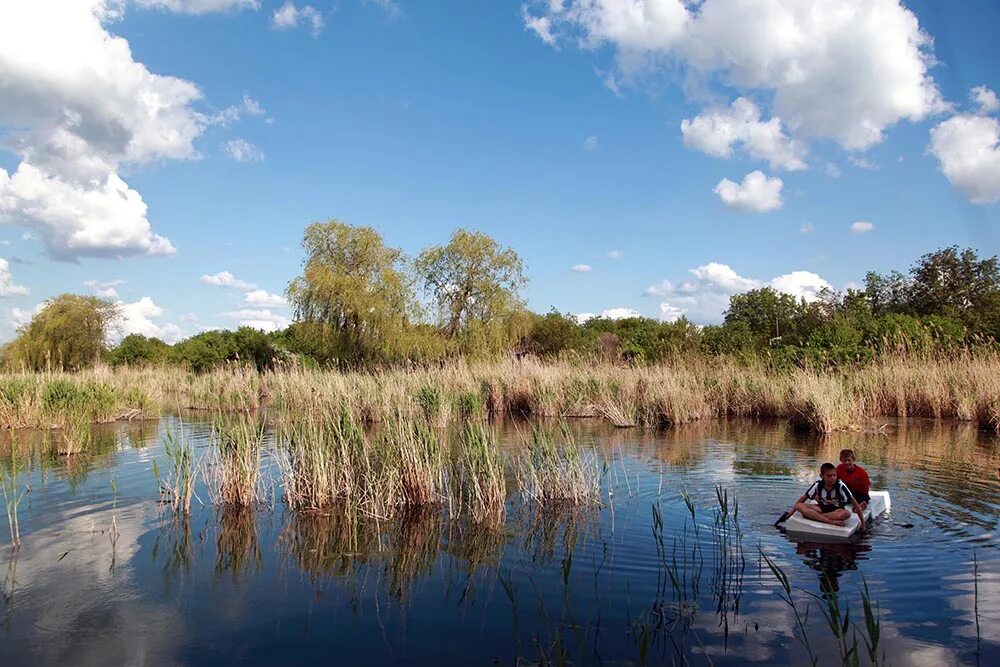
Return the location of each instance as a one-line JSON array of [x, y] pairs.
[[962, 386]]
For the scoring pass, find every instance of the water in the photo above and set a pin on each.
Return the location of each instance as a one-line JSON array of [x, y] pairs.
[[589, 586]]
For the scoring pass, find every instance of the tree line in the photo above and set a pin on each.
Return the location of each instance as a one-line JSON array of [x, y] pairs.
[[360, 303]]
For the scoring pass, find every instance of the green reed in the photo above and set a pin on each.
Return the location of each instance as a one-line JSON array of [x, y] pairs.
[[12, 494], [558, 473], [177, 485], [238, 441], [478, 478]]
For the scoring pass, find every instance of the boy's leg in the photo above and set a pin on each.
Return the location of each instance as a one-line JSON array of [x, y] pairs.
[[814, 513]]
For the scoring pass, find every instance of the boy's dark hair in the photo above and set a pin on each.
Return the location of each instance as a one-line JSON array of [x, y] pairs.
[[844, 453], [826, 467]]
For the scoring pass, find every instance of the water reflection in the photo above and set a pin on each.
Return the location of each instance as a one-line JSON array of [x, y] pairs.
[[237, 548], [830, 560]]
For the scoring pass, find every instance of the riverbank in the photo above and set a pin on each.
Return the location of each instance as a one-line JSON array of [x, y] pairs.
[[963, 387]]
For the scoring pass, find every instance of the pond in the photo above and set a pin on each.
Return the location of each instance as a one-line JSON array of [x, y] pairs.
[[106, 575]]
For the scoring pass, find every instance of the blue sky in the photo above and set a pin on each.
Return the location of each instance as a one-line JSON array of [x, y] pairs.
[[555, 127]]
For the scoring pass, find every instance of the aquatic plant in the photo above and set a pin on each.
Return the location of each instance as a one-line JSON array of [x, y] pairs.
[[237, 441], [12, 494], [177, 487], [477, 474], [557, 473]]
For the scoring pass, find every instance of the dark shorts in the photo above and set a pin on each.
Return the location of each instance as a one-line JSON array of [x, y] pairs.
[[826, 509], [861, 497]]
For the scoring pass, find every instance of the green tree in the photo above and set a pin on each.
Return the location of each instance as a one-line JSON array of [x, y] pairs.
[[553, 333], [205, 351], [771, 317], [137, 350], [475, 284], [353, 285], [70, 332]]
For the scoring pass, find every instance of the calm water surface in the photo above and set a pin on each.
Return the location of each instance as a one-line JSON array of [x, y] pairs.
[[592, 587]]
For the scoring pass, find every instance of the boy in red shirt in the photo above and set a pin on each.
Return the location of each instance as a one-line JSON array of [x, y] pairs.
[[854, 477]]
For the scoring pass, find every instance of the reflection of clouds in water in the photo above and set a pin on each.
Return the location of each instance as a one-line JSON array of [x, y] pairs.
[[80, 611], [988, 603]]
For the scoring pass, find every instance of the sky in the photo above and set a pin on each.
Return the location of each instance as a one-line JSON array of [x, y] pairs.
[[643, 157]]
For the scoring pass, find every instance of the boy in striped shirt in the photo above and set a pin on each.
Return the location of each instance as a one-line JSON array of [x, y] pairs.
[[832, 497]]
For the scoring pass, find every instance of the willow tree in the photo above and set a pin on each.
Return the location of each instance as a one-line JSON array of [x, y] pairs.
[[70, 332], [475, 284], [353, 293]]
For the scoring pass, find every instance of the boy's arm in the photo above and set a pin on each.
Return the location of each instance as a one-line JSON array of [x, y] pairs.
[[801, 499]]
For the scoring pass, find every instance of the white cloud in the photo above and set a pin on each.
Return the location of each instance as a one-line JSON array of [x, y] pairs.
[[757, 192], [106, 289], [985, 99], [716, 132], [843, 70], [540, 25], [7, 286], [259, 319], [616, 254], [590, 143], [264, 299], [966, 147], [226, 279], [137, 318], [288, 16], [580, 268], [78, 106], [242, 150], [18, 317], [580, 317], [862, 227], [27, 236], [861, 162], [200, 6], [807, 228], [248, 106], [390, 7], [704, 297]]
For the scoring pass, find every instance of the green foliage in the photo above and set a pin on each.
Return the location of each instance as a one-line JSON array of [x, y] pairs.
[[475, 284], [354, 285], [68, 333], [137, 350]]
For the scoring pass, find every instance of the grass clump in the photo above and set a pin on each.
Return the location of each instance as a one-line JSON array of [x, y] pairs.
[[238, 442], [177, 485], [478, 479], [558, 473]]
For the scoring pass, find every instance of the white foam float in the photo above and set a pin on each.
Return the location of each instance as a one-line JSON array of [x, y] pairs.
[[799, 525]]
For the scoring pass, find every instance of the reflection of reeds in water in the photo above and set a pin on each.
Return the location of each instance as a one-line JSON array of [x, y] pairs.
[[173, 546], [237, 547], [416, 544], [238, 440], [331, 543], [552, 473], [545, 529], [477, 544]]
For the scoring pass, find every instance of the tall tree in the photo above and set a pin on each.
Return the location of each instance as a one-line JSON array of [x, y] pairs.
[[474, 281], [70, 332], [353, 285]]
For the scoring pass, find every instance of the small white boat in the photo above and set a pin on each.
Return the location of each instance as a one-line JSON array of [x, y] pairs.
[[799, 525]]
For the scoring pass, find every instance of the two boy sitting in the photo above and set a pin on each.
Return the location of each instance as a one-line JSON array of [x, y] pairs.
[[837, 488]]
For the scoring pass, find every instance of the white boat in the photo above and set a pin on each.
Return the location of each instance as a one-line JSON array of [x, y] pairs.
[[799, 525]]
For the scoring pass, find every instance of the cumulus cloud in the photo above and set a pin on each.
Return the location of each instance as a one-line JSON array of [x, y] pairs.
[[704, 297], [590, 143], [719, 131], [262, 319], [985, 99], [757, 193], [609, 314], [138, 318], [242, 150], [843, 70], [77, 106], [7, 286], [580, 268], [106, 289], [288, 16], [226, 279], [263, 299], [231, 114], [199, 6], [861, 227], [967, 150]]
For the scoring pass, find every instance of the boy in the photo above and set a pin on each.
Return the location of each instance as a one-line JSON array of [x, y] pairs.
[[854, 477], [831, 496]]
